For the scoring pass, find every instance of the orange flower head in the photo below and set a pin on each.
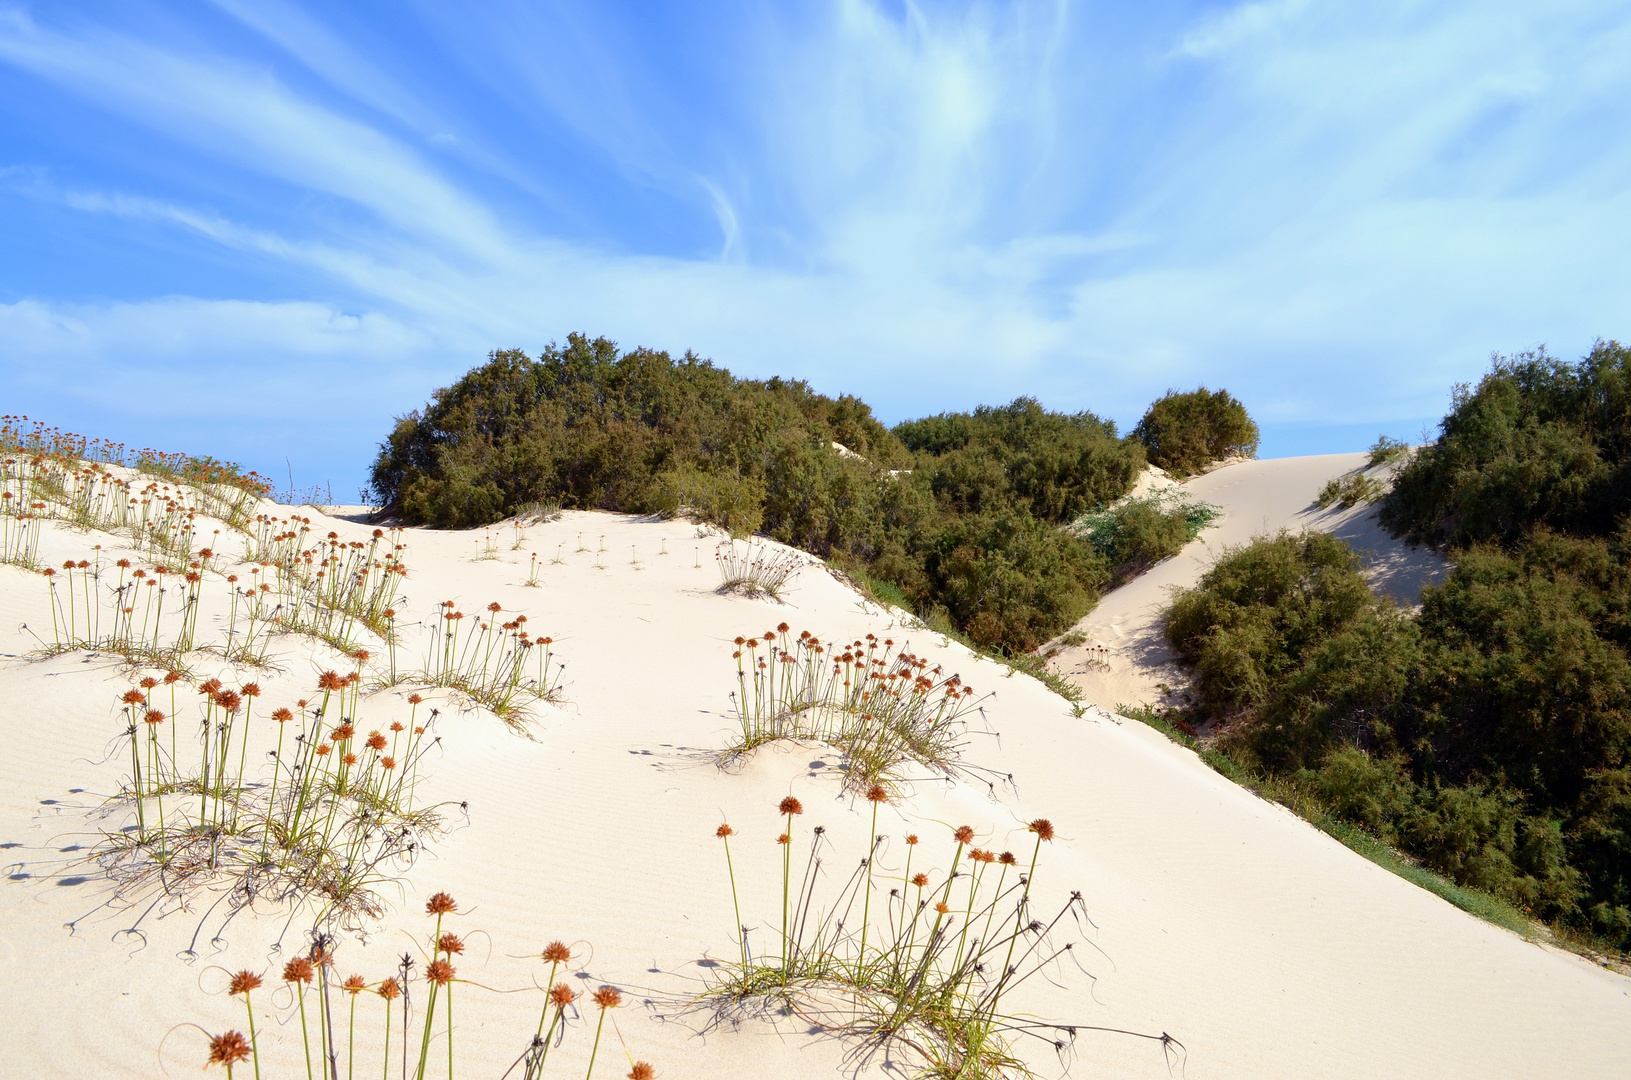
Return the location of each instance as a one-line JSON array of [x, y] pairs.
[[440, 904], [562, 995], [414, 699], [354, 985], [941, 908], [298, 970], [556, 952], [148, 683], [724, 831], [1007, 858], [911, 838], [450, 943], [791, 806], [877, 794], [250, 689], [228, 1049], [243, 982], [376, 742], [920, 880], [1042, 827], [396, 725], [154, 717], [325, 750], [964, 834], [133, 697], [282, 716], [607, 997], [642, 1071], [389, 990], [350, 759], [784, 839], [440, 972]]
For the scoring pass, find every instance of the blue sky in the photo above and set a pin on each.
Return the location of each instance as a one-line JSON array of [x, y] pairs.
[[260, 229]]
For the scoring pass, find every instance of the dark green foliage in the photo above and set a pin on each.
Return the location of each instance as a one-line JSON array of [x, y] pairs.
[[957, 512], [1134, 534], [1539, 442], [1185, 432], [1489, 736]]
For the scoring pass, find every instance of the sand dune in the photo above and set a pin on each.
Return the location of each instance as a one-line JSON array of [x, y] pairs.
[[1266, 948], [1127, 661]]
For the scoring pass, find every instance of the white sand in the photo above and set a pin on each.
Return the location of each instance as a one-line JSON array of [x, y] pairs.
[[1268, 949]]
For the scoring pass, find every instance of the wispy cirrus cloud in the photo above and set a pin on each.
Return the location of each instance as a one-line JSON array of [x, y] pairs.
[[1335, 213]]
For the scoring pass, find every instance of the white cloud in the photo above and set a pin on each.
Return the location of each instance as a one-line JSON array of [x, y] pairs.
[[1359, 206]]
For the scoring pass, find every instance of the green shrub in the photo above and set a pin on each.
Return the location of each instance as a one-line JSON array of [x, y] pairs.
[[1133, 535], [1185, 432], [1386, 449], [1539, 442], [1350, 489], [1488, 736], [958, 512]]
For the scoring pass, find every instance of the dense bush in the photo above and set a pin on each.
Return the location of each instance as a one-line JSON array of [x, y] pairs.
[[959, 512], [1540, 441], [1185, 432], [1134, 534], [1490, 735]]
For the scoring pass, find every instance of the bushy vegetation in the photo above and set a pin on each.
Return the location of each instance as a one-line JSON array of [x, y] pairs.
[[962, 512], [1488, 735], [1134, 534], [1185, 432], [1540, 441]]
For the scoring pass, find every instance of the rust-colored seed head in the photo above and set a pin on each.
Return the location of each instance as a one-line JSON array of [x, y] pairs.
[[376, 742], [941, 908], [450, 943], [782, 628], [791, 805], [1007, 858], [133, 697], [724, 831], [920, 880], [642, 1071], [556, 952], [414, 699], [911, 838], [607, 997], [562, 995], [1042, 827], [354, 985], [876, 794], [784, 839], [440, 972], [388, 763], [148, 683], [154, 717], [322, 957], [298, 970], [282, 716], [439, 904], [350, 759], [250, 689], [389, 990], [964, 834], [228, 1049], [243, 982]]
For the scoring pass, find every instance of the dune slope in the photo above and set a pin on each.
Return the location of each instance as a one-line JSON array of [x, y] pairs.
[[1264, 947]]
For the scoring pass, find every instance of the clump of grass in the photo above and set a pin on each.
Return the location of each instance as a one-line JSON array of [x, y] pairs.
[[493, 661], [1349, 490], [755, 569], [1385, 450], [312, 975], [879, 704], [933, 973]]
